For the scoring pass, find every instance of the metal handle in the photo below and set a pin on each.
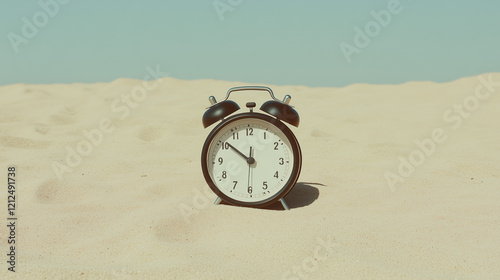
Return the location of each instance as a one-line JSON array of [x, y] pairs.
[[286, 100], [261, 88]]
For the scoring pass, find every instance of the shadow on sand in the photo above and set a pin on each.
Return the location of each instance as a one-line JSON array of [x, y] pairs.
[[303, 194]]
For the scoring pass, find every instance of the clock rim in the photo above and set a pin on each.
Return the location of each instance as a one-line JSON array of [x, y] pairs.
[[295, 172]]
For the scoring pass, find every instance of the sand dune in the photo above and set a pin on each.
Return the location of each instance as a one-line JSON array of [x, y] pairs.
[[397, 182]]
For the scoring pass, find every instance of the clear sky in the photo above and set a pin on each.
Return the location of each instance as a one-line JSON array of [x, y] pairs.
[[255, 41]]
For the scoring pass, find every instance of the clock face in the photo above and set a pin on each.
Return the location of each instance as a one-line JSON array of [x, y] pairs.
[[251, 159]]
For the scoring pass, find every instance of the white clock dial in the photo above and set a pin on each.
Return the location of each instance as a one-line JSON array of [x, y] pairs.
[[250, 160]]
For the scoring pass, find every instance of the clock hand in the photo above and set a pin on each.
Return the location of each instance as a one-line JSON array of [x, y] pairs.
[[249, 170], [250, 160], [249, 165]]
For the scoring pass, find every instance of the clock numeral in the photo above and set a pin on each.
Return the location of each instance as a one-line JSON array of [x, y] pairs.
[[249, 131], [249, 190], [276, 174], [264, 135], [224, 175], [236, 135], [264, 185], [276, 145], [220, 161], [225, 146], [235, 183], [282, 161]]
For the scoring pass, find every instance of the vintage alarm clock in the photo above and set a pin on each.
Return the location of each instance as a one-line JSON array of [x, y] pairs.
[[251, 159]]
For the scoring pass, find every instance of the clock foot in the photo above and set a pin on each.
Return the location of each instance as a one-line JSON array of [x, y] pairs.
[[284, 204], [217, 201]]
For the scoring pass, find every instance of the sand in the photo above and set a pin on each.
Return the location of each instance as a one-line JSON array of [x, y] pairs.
[[396, 183]]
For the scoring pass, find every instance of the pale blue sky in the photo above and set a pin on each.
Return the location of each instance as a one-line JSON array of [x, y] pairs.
[[259, 41]]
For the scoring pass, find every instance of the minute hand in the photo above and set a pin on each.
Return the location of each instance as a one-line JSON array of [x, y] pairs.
[[249, 160]]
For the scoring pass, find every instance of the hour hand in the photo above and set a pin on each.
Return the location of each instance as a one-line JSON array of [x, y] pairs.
[[249, 160]]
